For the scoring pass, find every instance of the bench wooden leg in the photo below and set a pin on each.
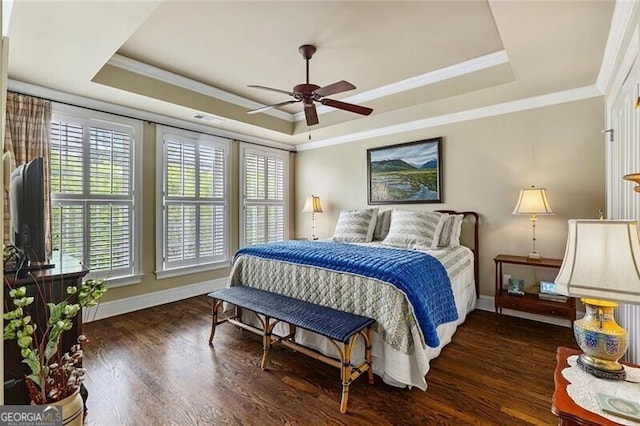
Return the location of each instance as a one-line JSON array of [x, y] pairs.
[[346, 374], [214, 318], [266, 341], [367, 354]]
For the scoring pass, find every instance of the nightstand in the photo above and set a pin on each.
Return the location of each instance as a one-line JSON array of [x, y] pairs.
[[530, 302], [568, 412]]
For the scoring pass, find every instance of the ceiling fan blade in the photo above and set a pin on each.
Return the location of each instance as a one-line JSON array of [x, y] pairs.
[[286, 92], [311, 114], [358, 109], [264, 108], [332, 89]]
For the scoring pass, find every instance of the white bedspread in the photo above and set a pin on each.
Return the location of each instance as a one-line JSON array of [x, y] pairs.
[[399, 363]]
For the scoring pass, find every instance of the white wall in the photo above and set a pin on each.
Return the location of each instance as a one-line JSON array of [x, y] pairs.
[[623, 154]]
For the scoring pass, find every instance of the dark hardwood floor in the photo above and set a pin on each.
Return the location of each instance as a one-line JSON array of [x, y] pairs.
[[155, 367]]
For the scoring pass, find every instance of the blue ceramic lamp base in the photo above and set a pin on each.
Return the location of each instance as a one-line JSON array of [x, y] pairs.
[[601, 339]]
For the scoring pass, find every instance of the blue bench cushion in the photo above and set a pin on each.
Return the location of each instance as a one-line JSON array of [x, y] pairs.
[[332, 323]]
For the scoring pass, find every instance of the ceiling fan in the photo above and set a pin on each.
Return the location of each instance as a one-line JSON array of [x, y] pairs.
[[308, 94]]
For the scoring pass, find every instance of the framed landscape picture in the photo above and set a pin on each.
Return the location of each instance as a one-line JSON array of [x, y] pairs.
[[405, 173]]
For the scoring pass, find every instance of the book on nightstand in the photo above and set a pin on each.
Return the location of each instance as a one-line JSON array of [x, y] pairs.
[[619, 406]]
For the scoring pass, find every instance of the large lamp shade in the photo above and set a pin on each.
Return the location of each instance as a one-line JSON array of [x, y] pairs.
[[601, 260]]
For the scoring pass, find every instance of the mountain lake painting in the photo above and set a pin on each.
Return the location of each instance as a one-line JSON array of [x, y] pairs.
[[406, 173]]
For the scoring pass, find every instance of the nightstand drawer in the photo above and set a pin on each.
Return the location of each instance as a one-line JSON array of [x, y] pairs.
[[532, 304]]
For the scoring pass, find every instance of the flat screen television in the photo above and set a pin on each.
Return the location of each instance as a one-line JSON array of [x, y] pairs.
[[26, 211]]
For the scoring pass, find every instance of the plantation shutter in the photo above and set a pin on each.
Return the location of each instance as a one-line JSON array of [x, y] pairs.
[[67, 165], [68, 237], [194, 202], [264, 175], [110, 153], [92, 193], [110, 236]]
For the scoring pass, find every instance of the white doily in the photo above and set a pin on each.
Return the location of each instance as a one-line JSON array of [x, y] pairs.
[[583, 388]]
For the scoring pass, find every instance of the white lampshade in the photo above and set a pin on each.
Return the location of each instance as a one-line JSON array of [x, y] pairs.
[[601, 261], [312, 205], [533, 201]]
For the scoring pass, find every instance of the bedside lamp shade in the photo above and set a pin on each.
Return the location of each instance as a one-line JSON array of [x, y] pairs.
[[312, 205], [533, 201], [601, 261]]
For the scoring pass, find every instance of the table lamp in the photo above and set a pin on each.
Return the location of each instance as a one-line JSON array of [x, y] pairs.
[[312, 205], [601, 265], [533, 201]]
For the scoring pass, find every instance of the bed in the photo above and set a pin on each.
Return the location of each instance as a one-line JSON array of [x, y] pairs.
[[402, 344]]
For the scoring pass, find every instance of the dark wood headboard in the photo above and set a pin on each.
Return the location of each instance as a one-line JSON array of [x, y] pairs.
[[469, 216]]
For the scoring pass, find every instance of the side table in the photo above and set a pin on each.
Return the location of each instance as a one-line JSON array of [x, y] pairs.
[[568, 412], [530, 302]]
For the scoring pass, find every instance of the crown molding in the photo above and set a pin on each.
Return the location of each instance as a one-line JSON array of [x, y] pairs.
[[150, 71], [431, 77], [108, 107], [457, 117], [620, 25], [456, 70], [617, 79]]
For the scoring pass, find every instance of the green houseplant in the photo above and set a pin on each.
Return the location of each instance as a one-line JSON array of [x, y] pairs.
[[54, 375]]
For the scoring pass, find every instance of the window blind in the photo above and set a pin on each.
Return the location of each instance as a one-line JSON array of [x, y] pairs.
[[92, 193], [264, 198], [194, 205]]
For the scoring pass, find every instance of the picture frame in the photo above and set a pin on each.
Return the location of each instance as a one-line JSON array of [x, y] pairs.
[[405, 173], [516, 287], [548, 287]]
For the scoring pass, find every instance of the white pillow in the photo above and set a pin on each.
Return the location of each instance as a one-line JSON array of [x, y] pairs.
[[355, 226], [419, 230], [382, 225], [451, 228]]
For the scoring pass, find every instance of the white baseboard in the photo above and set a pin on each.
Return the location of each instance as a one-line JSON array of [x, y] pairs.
[[486, 303], [148, 300]]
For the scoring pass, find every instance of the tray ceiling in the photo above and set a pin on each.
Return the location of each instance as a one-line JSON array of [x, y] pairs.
[[408, 60]]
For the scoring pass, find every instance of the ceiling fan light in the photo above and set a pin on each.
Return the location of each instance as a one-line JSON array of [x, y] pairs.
[[309, 93]]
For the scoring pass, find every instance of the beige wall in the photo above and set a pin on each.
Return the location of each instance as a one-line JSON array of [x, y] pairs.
[[149, 282], [485, 163]]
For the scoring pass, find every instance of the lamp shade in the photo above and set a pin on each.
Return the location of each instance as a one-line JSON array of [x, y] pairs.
[[312, 205], [533, 201], [601, 261]]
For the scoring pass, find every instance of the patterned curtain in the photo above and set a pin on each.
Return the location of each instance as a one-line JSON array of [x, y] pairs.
[[27, 136]]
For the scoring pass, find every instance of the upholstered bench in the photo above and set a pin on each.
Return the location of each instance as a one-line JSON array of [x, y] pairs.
[[338, 326]]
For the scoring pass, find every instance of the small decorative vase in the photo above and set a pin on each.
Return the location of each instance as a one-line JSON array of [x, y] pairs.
[[601, 339], [72, 409]]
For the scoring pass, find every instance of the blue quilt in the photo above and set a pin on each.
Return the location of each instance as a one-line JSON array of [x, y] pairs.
[[418, 275]]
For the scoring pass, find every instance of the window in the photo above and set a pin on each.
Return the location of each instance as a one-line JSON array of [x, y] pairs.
[[94, 202], [264, 176], [193, 206]]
